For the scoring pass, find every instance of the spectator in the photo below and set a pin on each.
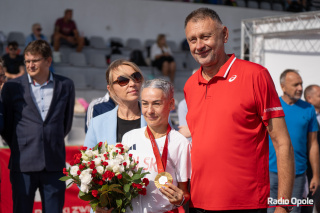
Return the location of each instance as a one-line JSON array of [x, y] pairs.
[[13, 62], [302, 126], [162, 58], [156, 103], [36, 35], [232, 106], [97, 107], [38, 115], [312, 96], [66, 32], [2, 81], [3, 77]]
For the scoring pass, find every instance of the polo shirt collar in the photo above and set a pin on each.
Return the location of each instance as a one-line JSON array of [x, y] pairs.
[[34, 83], [223, 72]]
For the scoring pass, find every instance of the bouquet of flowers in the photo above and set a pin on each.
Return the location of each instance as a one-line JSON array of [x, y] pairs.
[[107, 175]]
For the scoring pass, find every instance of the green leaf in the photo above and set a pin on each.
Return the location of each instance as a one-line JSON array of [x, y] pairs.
[[105, 187], [119, 203], [86, 197], [127, 187], [64, 178], [123, 210], [117, 190], [94, 206], [126, 176], [135, 177], [104, 199], [139, 170]]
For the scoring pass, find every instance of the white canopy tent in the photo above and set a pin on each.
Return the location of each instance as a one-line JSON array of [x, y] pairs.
[[282, 42]]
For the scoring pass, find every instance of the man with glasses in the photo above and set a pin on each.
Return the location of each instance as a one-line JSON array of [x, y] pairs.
[[13, 62], [38, 115]]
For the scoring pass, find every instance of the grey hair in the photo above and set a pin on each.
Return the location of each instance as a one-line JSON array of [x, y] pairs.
[[162, 84], [284, 75]]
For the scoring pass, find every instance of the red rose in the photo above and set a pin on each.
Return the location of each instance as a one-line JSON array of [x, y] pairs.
[[130, 155], [124, 163], [143, 191], [100, 144], [92, 165], [145, 181], [119, 176], [71, 163], [119, 145], [65, 172], [94, 172], [117, 151], [122, 149], [100, 182], [81, 166], [105, 163], [94, 193], [84, 148], [78, 172], [76, 161]]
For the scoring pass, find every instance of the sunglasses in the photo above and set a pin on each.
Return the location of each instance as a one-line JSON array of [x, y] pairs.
[[123, 81]]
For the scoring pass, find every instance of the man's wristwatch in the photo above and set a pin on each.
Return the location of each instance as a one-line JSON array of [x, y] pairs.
[[183, 198], [287, 208]]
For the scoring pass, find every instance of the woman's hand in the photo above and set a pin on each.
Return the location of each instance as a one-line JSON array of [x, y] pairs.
[[103, 210], [173, 193]]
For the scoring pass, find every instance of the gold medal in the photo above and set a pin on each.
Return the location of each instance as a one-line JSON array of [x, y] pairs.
[[162, 178]]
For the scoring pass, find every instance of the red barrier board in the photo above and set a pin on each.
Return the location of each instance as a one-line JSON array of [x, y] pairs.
[[72, 203]]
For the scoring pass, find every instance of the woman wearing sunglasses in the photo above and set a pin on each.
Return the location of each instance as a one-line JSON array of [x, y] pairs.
[[124, 80]]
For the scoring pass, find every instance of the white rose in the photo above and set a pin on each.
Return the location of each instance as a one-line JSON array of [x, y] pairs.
[[110, 148], [85, 176], [84, 188], [97, 161], [89, 153], [111, 164], [120, 158], [85, 157], [126, 147], [74, 170], [100, 170], [118, 169], [130, 173], [95, 152]]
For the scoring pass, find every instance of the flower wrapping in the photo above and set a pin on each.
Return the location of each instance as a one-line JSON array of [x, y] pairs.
[[107, 175]]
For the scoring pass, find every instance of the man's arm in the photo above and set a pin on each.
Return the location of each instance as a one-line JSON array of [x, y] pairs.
[[278, 132], [313, 149], [21, 71]]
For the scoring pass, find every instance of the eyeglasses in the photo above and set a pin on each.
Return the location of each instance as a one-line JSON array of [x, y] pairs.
[[123, 81], [33, 61]]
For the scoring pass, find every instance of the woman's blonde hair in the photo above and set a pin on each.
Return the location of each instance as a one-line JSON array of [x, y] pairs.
[[114, 67]]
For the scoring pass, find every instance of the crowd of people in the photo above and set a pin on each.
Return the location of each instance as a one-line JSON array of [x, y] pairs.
[[233, 118]]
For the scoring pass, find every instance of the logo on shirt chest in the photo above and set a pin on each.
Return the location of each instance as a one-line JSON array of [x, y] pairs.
[[232, 78]]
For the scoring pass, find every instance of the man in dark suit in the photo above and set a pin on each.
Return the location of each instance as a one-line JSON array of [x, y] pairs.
[[38, 115]]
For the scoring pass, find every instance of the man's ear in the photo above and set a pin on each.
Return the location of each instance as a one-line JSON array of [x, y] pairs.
[[225, 34]]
